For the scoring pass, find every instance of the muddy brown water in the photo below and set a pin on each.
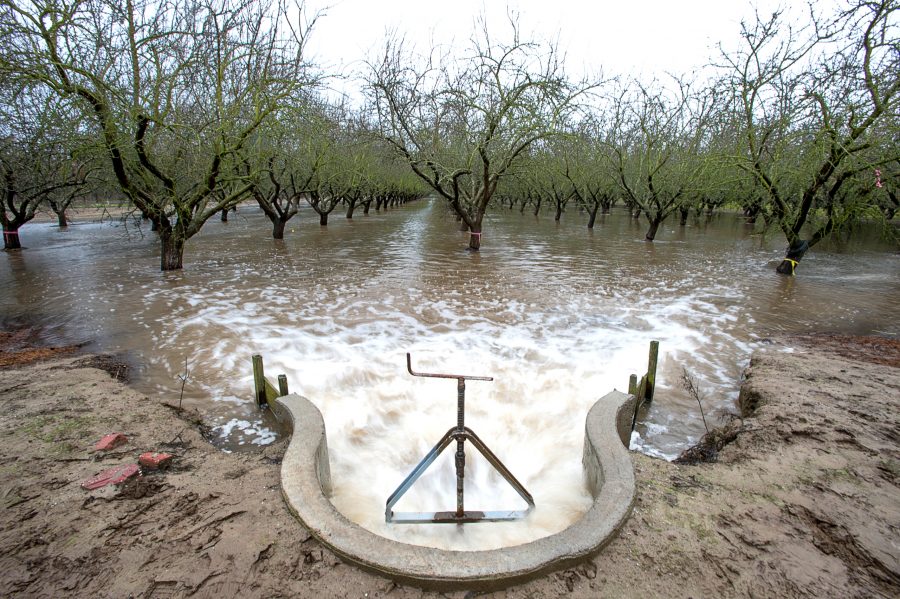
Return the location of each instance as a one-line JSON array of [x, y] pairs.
[[557, 314]]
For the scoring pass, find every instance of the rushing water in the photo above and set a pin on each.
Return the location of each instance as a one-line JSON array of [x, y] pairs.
[[557, 314]]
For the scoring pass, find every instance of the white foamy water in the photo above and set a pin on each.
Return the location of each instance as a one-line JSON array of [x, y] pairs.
[[558, 316], [350, 361]]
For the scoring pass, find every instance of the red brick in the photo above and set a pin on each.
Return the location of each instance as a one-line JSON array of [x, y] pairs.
[[110, 441], [154, 461], [111, 476]]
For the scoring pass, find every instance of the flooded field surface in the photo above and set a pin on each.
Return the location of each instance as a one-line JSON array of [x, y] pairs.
[[557, 314]]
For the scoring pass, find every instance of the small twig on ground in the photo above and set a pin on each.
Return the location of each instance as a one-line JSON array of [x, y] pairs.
[[184, 378], [690, 384]]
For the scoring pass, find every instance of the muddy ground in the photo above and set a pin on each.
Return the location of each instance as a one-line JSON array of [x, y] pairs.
[[802, 500]]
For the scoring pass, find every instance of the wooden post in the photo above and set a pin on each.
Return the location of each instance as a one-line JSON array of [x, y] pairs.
[[651, 369], [259, 381], [271, 392], [282, 385], [643, 391]]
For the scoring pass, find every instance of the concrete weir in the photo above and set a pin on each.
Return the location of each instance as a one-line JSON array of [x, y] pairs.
[[306, 485]]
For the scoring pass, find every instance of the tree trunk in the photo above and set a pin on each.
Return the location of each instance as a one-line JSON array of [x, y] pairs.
[[61, 219], [171, 250], [475, 239], [751, 213], [323, 219], [366, 208], [654, 227], [224, 215], [559, 211], [684, 212], [350, 209], [793, 257], [592, 218], [278, 228], [11, 239], [537, 207], [891, 209]]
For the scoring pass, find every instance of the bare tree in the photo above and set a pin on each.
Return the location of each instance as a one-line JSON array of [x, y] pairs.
[[461, 124], [355, 163], [814, 105], [276, 167], [587, 166], [175, 90], [657, 137], [41, 158], [546, 173]]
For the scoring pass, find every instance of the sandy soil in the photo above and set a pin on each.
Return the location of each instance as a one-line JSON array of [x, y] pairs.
[[802, 500]]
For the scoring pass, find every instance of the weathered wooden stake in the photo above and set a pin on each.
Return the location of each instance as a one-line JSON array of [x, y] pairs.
[[259, 381], [651, 369], [643, 390], [282, 385]]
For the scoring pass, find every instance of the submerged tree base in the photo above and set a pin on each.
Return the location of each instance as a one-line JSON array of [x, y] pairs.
[[11, 240], [787, 267], [171, 252], [795, 253]]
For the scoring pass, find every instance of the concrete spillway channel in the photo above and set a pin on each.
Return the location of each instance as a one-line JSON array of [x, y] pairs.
[[306, 485]]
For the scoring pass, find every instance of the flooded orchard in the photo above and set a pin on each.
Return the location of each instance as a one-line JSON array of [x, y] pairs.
[[559, 315]]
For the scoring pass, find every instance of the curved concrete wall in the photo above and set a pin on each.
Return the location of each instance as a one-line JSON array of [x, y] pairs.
[[306, 485]]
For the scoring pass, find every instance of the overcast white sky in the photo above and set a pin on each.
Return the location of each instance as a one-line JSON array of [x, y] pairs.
[[623, 36]]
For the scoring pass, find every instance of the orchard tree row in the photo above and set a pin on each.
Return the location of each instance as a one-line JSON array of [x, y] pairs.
[[188, 108], [314, 154]]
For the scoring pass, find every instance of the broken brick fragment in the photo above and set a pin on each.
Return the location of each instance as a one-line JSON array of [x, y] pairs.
[[110, 441], [111, 476], [155, 460]]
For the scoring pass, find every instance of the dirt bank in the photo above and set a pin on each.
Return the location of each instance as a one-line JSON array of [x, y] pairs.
[[803, 502]]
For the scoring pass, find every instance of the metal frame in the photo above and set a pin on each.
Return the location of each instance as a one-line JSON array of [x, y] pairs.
[[460, 433]]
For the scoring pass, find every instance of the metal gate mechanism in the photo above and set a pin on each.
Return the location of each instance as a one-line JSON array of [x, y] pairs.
[[460, 433]]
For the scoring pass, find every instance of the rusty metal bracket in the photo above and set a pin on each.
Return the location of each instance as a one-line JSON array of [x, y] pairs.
[[460, 433]]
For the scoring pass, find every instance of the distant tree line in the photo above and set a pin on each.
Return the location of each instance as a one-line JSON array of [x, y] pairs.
[[189, 108]]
